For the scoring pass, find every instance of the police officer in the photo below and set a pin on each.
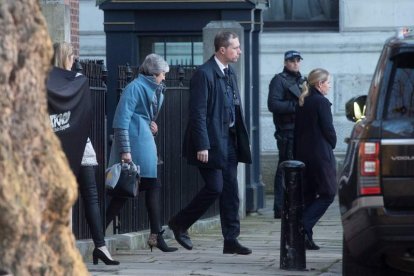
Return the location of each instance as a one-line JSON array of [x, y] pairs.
[[284, 92]]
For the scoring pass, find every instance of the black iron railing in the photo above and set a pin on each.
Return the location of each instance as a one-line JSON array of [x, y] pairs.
[[95, 71]]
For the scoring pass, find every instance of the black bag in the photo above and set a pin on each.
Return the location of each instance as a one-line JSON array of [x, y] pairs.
[[128, 182]]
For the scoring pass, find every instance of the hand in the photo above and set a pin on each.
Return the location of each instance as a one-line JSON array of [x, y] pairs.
[[126, 157], [202, 156], [154, 128]]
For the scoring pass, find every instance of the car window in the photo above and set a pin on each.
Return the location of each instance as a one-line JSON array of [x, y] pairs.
[[400, 100], [375, 83]]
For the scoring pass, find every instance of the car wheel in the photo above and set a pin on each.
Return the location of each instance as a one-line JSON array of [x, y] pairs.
[[351, 267]]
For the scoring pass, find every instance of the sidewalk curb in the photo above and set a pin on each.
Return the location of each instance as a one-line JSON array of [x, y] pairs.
[[138, 240]]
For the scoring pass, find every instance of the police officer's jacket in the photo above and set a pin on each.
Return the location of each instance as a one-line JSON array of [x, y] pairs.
[[283, 97]]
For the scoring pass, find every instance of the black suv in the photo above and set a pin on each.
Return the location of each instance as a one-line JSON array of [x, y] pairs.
[[376, 185]]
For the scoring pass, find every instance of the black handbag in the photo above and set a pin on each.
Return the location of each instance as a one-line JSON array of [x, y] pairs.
[[128, 182]]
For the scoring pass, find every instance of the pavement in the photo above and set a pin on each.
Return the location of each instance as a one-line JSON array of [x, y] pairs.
[[259, 231]]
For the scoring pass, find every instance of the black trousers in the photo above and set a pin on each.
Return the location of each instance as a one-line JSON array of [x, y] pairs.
[[284, 141], [89, 193], [314, 210], [222, 184], [152, 189]]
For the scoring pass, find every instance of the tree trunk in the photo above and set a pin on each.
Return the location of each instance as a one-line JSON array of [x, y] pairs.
[[37, 187]]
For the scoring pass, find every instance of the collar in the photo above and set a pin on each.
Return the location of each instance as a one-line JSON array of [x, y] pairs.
[[294, 74], [220, 65], [149, 80], [315, 90]]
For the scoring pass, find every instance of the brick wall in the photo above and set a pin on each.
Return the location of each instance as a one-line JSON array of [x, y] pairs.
[[74, 28]]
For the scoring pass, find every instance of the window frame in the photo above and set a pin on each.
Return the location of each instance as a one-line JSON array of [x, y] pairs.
[[391, 85], [331, 24], [151, 40]]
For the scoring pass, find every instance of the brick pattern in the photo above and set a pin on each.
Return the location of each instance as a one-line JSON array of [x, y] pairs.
[[74, 28]]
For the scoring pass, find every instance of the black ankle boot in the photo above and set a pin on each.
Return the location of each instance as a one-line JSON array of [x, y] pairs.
[[310, 244], [158, 241]]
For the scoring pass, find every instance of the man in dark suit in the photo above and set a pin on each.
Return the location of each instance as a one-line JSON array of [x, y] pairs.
[[215, 141]]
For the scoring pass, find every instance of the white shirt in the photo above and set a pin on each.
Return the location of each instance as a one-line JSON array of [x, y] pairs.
[[220, 65]]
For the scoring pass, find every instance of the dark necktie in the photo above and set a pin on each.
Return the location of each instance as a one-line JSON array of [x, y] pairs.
[[226, 72], [227, 76], [230, 95]]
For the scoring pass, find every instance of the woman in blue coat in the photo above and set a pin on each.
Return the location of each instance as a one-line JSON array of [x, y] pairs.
[[134, 129], [315, 139]]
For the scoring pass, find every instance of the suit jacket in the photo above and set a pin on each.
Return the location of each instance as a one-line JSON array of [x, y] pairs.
[[315, 139], [208, 124]]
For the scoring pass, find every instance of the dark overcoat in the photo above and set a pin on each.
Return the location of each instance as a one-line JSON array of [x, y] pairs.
[[208, 124], [70, 105], [284, 92], [315, 139]]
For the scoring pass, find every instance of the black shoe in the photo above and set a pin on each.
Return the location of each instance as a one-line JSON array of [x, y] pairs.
[[310, 244], [181, 237], [277, 214], [99, 254], [234, 247], [158, 241]]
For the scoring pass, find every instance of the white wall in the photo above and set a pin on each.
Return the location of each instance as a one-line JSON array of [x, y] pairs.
[[357, 15], [350, 58], [57, 16]]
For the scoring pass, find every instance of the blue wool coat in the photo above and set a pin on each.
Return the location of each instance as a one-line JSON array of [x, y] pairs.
[[134, 113]]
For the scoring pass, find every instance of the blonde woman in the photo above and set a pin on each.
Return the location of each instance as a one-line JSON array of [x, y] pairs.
[[63, 59], [315, 139]]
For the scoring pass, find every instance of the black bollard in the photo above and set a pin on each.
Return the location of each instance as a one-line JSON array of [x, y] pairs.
[[292, 239]]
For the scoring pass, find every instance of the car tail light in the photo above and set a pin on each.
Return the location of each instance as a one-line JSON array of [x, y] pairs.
[[369, 168]]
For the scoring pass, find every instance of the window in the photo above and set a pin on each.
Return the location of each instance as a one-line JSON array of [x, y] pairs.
[[186, 50], [401, 93], [302, 15]]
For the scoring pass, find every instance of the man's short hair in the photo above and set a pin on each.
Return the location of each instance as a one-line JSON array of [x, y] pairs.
[[222, 39]]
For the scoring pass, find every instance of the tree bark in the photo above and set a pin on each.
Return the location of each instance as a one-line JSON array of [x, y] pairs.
[[37, 187]]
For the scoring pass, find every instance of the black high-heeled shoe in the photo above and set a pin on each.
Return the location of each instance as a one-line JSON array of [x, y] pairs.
[[158, 241], [99, 254]]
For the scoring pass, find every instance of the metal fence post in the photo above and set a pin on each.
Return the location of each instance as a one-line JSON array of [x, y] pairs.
[[292, 240], [77, 66]]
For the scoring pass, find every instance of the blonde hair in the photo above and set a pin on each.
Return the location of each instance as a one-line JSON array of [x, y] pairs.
[[315, 76], [61, 52]]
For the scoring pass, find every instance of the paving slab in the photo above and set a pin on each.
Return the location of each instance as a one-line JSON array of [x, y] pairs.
[[259, 231]]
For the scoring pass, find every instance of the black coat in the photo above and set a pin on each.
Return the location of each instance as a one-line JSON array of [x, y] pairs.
[[315, 139], [208, 124], [284, 92], [70, 105]]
